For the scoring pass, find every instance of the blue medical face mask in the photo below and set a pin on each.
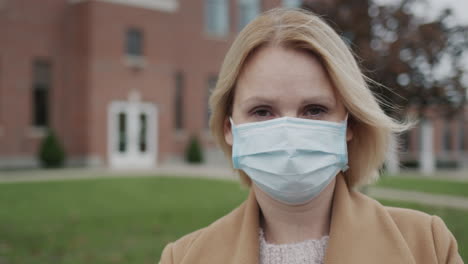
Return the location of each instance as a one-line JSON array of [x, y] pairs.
[[291, 159]]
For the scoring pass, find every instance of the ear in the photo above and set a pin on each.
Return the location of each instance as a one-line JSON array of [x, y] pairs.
[[227, 131]]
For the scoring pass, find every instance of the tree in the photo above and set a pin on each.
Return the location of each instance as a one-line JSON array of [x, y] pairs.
[[419, 61]]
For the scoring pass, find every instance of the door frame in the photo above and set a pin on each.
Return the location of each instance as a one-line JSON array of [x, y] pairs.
[[132, 159]]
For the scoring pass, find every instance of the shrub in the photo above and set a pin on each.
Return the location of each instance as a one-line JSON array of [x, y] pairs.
[[51, 153], [440, 164], [193, 153]]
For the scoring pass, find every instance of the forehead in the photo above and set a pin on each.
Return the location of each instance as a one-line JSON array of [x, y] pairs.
[[279, 72]]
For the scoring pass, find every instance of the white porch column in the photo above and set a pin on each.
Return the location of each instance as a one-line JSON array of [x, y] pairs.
[[426, 155], [392, 162]]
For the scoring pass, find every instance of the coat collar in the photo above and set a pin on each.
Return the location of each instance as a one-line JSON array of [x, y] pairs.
[[361, 231]]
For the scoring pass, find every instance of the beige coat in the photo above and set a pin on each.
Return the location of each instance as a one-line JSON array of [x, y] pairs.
[[362, 231]]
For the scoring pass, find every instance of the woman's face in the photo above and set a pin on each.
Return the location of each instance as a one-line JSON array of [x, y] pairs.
[[277, 82]]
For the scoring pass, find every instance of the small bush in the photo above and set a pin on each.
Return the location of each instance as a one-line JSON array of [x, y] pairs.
[[447, 164], [440, 164], [193, 153], [51, 153], [410, 164]]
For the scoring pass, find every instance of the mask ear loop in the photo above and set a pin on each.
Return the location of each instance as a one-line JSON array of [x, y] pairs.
[[345, 121], [345, 168], [232, 122], [235, 162]]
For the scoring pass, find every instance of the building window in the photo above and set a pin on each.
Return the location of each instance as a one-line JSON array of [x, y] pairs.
[[217, 17], [122, 125], [462, 135], [134, 42], [42, 80], [1, 96], [447, 137], [179, 101], [143, 133], [292, 3], [248, 10], [211, 84]]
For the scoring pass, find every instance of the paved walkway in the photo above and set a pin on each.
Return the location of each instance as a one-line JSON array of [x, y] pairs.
[[445, 174], [218, 173], [454, 202], [83, 173]]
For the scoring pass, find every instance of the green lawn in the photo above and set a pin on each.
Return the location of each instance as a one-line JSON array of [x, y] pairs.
[[123, 220], [436, 186]]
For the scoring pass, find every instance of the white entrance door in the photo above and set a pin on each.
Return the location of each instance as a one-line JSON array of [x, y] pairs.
[[132, 135]]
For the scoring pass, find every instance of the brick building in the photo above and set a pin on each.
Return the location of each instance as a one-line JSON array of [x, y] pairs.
[[123, 83], [449, 140]]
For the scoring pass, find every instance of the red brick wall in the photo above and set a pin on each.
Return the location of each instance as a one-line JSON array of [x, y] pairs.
[[85, 43], [30, 29], [190, 50]]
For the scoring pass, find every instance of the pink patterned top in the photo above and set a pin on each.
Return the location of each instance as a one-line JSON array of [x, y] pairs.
[[305, 252]]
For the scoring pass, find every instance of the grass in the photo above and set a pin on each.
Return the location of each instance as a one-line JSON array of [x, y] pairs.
[[435, 186], [124, 220]]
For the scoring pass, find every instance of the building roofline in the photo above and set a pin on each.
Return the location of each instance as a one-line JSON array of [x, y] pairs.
[[160, 5]]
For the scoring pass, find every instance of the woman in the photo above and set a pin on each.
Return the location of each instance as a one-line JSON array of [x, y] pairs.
[[293, 112]]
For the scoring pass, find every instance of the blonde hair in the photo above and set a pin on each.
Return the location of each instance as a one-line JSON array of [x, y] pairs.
[[301, 30]]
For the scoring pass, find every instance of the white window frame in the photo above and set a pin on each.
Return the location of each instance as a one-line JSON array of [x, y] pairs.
[[160, 5]]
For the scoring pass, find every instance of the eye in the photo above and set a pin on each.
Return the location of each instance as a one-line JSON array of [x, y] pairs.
[[261, 112], [315, 110]]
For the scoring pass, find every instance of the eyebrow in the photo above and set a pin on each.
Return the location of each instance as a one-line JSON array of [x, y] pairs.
[[320, 99], [257, 99]]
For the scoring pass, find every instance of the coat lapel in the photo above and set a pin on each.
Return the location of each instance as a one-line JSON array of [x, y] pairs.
[[362, 231], [233, 239], [248, 248]]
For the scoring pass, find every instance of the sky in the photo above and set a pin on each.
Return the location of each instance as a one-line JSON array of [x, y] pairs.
[[460, 8]]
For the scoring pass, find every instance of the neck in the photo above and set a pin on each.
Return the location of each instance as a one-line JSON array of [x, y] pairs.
[[284, 223]]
